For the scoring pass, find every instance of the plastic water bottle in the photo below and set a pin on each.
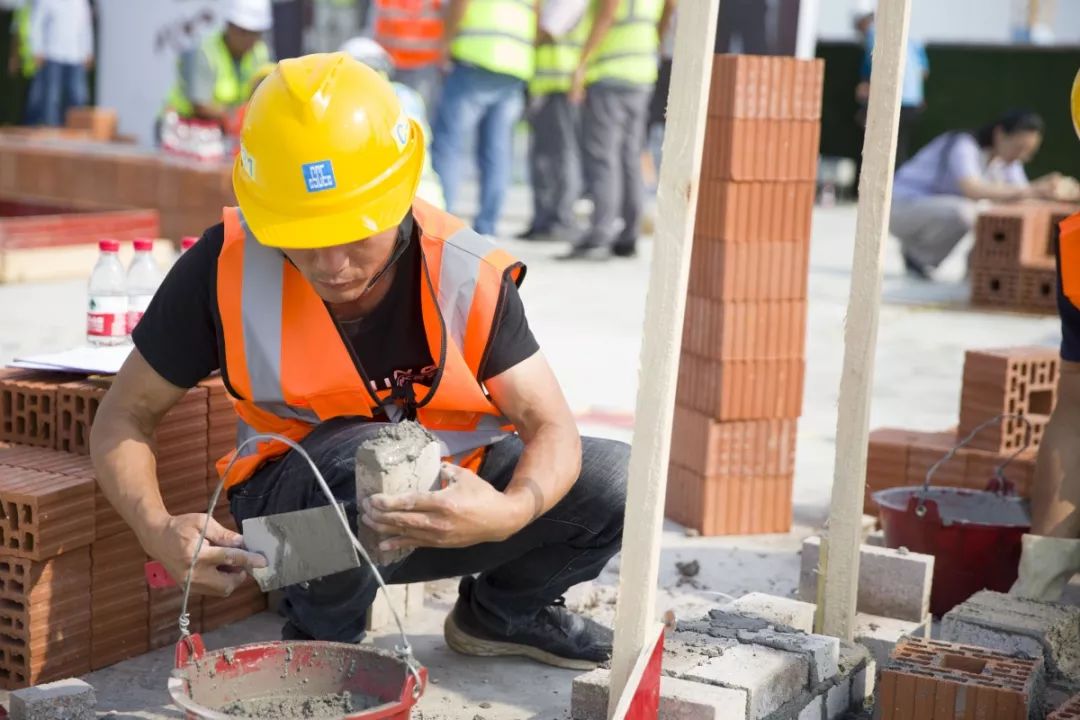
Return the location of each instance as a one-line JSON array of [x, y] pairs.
[[186, 243], [143, 278], [106, 317]]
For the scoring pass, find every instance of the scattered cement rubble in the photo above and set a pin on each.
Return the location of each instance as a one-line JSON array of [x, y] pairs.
[[741, 663], [1017, 626], [892, 583], [70, 699], [399, 458]]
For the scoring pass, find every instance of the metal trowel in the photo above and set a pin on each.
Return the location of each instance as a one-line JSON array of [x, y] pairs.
[[299, 546]]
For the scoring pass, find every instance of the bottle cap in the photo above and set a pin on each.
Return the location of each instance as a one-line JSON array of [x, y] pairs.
[[109, 245], [143, 244], [188, 242]]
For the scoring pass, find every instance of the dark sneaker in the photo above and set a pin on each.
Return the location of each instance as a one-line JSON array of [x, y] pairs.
[[916, 269], [585, 252], [555, 636], [624, 250]]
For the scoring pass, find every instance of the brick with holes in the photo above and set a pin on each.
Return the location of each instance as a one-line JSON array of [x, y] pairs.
[[43, 513], [1008, 236], [28, 408], [995, 287], [1038, 288], [1069, 711], [1019, 381], [77, 403]]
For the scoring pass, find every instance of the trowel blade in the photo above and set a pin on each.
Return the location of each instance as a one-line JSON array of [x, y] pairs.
[[299, 546]]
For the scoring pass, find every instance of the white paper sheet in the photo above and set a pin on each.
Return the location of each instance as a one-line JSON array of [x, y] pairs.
[[89, 359]]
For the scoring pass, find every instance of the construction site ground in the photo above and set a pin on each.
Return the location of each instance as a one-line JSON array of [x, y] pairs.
[[587, 318]]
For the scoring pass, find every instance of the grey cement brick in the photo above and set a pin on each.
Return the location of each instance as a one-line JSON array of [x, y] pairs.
[[1019, 626], [892, 583], [863, 685], [814, 710], [679, 699], [770, 677], [70, 699], [838, 699], [684, 651], [821, 651], [776, 610], [880, 634]]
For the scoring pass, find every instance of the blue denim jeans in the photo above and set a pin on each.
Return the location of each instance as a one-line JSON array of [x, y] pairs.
[[55, 88], [480, 103], [569, 544]]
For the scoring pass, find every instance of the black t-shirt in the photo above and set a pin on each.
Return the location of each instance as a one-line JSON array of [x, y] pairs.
[[180, 334]]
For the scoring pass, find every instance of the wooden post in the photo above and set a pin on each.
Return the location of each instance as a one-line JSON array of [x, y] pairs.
[[662, 334], [860, 331]]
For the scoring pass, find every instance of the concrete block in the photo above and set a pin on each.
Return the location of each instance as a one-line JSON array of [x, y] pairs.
[[876, 538], [880, 634], [892, 583], [862, 685], [1019, 627], [679, 699], [684, 651], [814, 710], [776, 610], [822, 652], [769, 677], [70, 699], [838, 699]]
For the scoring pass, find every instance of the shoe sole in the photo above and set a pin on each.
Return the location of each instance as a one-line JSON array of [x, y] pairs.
[[465, 644]]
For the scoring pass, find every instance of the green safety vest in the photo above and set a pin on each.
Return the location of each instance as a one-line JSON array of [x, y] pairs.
[[556, 62], [498, 35], [630, 50], [26, 53], [229, 90]]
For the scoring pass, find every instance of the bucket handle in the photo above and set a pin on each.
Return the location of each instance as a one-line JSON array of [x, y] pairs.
[[404, 651], [999, 483]]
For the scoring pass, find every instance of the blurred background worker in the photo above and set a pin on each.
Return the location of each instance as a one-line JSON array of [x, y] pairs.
[[62, 42], [214, 80], [333, 22], [912, 98], [615, 77], [491, 47], [1051, 552], [936, 194], [412, 32], [555, 142], [21, 63], [376, 57]]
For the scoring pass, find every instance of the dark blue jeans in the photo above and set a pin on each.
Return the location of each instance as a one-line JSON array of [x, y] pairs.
[[568, 545], [55, 88]]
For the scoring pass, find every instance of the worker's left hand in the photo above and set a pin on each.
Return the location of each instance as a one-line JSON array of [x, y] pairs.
[[577, 86], [467, 512]]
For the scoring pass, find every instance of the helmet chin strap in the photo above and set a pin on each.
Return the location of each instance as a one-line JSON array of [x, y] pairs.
[[401, 243]]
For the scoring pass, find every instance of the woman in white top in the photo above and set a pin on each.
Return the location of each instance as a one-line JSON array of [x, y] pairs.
[[937, 194]]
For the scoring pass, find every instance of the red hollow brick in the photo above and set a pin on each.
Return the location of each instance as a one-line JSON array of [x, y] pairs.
[[1069, 711], [43, 514], [1015, 381], [741, 389], [77, 403], [28, 409], [729, 505]]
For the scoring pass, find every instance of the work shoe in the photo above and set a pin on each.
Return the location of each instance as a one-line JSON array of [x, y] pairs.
[[1046, 566], [556, 636], [916, 269], [586, 251], [624, 250]]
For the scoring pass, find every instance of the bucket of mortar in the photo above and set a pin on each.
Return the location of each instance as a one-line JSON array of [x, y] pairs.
[[974, 535], [294, 679]]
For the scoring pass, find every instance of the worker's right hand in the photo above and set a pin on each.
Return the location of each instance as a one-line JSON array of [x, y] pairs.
[[222, 564]]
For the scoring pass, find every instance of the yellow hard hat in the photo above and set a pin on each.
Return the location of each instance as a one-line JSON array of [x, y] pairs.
[[1076, 103], [327, 155]]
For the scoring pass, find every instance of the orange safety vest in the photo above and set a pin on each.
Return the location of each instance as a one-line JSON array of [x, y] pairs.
[[410, 30], [1069, 254], [288, 367]]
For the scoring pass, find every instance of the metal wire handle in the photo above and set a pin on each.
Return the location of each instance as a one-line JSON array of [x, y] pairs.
[[999, 476], [403, 651]]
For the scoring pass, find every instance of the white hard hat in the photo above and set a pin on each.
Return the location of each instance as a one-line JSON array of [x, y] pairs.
[[369, 52], [252, 15]]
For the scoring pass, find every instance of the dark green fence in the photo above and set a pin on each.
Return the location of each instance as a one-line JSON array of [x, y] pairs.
[[969, 85]]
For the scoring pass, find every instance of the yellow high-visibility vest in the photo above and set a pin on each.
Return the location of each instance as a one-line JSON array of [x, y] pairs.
[[556, 62], [498, 35], [630, 50], [230, 90]]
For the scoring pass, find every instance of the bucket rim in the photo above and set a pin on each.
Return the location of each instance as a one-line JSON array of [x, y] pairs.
[[898, 499]]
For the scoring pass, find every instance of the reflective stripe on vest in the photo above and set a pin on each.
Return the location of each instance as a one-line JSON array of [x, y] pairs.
[[287, 362], [1069, 257], [498, 35], [556, 61], [230, 90], [410, 30], [630, 50]]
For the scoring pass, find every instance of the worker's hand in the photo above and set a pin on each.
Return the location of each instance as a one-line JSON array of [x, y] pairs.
[[222, 564], [543, 37], [862, 91], [1047, 187], [469, 511], [577, 86]]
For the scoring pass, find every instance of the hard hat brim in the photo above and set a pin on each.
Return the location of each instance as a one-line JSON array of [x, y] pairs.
[[334, 227]]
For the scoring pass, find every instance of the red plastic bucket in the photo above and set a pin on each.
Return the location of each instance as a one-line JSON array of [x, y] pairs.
[[207, 681], [974, 537]]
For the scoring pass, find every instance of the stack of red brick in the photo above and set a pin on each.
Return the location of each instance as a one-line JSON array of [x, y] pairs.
[[74, 597], [741, 373], [1012, 264], [1069, 711], [934, 680], [188, 194], [1012, 381]]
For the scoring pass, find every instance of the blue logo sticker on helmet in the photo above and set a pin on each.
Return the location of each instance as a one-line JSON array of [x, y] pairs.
[[319, 176]]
